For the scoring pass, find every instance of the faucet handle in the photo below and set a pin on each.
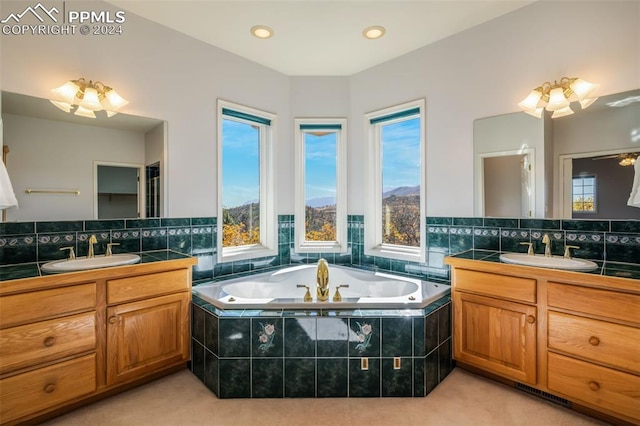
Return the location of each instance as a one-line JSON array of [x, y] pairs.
[[567, 251], [530, 249], [307, 295], [72, 254], [108, 252], [338, 297], [93, 239]]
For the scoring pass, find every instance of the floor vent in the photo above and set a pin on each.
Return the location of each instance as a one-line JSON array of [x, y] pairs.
[[544, 395]]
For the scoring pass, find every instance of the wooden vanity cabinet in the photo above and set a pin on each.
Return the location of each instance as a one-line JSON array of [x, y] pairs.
[[594, 347], [568, 334], [147, 324], [495, 324], [70, 338]]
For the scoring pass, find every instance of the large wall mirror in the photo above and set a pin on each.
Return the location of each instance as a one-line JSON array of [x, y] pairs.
[[581, 166], [65, 167]]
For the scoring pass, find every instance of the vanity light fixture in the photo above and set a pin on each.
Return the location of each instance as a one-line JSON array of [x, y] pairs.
[[262, 31], [557, 97], [373, 32], [84, 98]]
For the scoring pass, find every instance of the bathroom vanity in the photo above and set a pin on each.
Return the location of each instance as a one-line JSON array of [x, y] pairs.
[[572, 337], [71, 338]]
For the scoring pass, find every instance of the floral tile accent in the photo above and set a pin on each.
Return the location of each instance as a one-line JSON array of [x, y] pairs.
[[364, 336], [265, 337]]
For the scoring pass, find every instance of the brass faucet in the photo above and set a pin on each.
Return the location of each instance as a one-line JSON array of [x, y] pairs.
[[322, 280], [92, 240], [547, 245]]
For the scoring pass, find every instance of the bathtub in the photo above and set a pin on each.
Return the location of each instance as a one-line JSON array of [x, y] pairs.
[[278, 290]]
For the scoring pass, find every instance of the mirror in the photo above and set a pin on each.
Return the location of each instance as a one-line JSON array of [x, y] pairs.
[[54, 158], [579, 166]]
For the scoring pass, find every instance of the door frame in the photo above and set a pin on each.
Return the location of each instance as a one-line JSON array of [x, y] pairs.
[[141, 184]]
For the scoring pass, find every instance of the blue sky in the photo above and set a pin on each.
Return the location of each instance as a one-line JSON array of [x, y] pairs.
[[400, 153]]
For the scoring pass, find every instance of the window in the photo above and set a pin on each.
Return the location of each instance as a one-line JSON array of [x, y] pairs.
[[320, 185], [584, 194], [395, 208], [246, 207]]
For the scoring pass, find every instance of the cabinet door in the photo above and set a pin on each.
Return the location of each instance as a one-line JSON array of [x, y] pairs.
[[146, 336], [496, 335]]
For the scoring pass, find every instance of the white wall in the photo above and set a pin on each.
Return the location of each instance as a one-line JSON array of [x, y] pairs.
[[486, 71], [164, 75], [481, 72], [49, 154]]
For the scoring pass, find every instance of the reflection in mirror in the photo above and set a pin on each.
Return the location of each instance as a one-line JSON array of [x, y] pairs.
[[602, 141], [54, 155]]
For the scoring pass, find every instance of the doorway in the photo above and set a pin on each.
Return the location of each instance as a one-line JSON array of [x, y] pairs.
[[118, 190]]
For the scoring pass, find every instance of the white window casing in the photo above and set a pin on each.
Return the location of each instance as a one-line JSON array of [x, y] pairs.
[[340, 244], [373, 244], [268, 217]]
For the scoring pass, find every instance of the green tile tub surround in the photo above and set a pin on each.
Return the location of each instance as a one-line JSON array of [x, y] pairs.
[[303, 365]]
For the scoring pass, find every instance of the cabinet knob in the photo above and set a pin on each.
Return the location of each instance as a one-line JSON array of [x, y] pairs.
[[49, 341], [113, 320], [531, 319], [50, 388], [594, 340], [594, 386]]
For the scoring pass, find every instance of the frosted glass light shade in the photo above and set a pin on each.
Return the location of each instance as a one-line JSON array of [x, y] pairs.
[[111, 114], [583, 89], [562, 112], [557, 100], [62, 105], [90, 100], [113, 101], [530, 103], [67, 92], [83, 112]]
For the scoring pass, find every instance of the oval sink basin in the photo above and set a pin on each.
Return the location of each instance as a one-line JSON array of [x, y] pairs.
[[83, 263], [555, 262]]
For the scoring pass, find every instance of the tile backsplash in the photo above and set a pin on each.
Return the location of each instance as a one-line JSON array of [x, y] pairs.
[[610, 240]]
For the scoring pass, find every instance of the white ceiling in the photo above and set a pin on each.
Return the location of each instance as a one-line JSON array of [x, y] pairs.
[[320, 37]]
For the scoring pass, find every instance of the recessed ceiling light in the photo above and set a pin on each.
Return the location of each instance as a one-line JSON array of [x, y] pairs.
[[261, 31], [373, 32]]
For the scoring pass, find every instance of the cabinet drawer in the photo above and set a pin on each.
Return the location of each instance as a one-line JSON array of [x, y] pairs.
[[600, 341], [47, 387], [594, 385], [144, 286], [44, 304], [611, 304], [503, 286], [46, 341]]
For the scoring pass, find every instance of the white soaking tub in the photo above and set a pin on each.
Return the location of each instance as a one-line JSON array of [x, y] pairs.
[[279, 290]]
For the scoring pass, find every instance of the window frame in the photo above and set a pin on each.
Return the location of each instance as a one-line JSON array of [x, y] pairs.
[[373, 185], [268, 218], [301, 245], [595, 193]]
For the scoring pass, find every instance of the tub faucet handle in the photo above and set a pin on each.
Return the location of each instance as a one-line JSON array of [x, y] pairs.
[[547, 245], [307, 295], [338, 297]]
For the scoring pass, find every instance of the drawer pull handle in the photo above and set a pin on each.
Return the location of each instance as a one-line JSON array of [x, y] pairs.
[[49, 341], [531, 319], [50, 388], [594, 386], [594, 341], [113, 320]]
